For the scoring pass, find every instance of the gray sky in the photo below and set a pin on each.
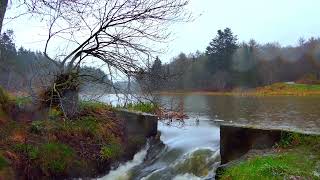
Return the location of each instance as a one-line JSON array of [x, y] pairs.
[[283, 21]]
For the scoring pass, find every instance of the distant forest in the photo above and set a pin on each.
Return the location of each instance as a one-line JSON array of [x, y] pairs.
[[22, 70], [227, 64], [224, 65]]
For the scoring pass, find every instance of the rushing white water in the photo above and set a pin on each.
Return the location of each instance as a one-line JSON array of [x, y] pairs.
[[122, 172], [190, 151], [186, 177]]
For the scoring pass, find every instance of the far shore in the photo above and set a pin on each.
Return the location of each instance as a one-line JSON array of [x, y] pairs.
[[277, 89]]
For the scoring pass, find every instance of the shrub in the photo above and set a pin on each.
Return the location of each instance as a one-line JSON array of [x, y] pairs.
[[88, 125], [4, 98], [52, 157], [54, 114], [3, 162], [32, 152], [37, 127], [112, 150], [289, 139], [55, 157]]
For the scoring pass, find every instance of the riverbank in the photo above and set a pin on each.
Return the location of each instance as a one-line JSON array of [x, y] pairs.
[[51, 146], [296, 156], [277, 89]]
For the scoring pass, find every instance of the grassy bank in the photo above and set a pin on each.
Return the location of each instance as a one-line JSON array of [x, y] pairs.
[[277, 89], [55, 147], [295, 157], [289, 89]]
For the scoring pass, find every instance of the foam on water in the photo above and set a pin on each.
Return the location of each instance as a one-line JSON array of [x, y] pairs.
[[186, 177], [123, 171]]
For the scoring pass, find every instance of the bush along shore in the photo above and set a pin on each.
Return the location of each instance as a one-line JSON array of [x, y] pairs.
[[276, 89], [53, 147], [296, 156]]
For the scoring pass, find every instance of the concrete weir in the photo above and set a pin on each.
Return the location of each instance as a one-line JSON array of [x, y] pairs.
[[139, 123], [241, 138], [238, 138]]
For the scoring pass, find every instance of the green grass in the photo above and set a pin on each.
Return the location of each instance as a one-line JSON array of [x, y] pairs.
[[3, 162], [142, 107], [51, 157], [300, 156], [4, 97], [55, 157], [32, 152], [297, 87], [86, 125], [54, 114], [273, 167], [94, 105], [112, 150], [289, 89], [21, 100]]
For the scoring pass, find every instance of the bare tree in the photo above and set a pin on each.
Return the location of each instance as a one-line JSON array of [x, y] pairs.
[[121, 33], [3, 8]]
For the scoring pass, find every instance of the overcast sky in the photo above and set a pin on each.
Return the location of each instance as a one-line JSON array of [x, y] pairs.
[[283, 21]]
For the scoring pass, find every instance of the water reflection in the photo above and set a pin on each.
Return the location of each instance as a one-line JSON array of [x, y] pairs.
[[302, 113]]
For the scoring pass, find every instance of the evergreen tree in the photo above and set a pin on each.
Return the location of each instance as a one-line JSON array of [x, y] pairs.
[[156, 75], [221, 49]]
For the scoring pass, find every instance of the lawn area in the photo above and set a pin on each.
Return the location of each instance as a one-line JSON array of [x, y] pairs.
[[297, 157], [289, 89]]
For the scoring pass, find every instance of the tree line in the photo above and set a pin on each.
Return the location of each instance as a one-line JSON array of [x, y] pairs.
[[23, 70], [227, 64]]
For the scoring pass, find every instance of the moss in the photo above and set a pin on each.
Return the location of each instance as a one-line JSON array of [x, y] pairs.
[[196, 163]]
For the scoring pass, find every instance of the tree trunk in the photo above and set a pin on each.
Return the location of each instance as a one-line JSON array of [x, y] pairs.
[[69, 103], [3, 8], [64, 93], [9, 80]]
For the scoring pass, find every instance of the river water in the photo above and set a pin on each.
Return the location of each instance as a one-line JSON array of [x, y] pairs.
[[191, 150]]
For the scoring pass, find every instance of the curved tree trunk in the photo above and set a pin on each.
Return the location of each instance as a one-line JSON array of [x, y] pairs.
[[3, 8], [70, 102]]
